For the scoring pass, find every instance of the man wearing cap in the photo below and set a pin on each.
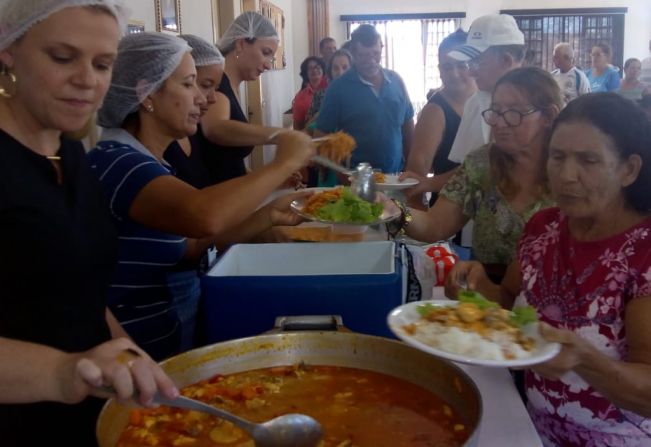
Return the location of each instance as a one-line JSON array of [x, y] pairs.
[[494, 47], [371, 104]]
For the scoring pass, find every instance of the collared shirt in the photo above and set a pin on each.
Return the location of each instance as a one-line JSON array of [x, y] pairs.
[[572, 83], [374, 121], [473, 131]]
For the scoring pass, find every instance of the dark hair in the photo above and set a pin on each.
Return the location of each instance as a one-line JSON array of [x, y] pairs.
[[324, 41], [365, 34], [347, 45], [339, 52], [629, 61], [304, 71], [542, 91], [607, 50], [627, 126], [452, 41]]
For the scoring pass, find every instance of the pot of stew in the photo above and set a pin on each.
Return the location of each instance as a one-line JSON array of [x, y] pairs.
[[364, 390]]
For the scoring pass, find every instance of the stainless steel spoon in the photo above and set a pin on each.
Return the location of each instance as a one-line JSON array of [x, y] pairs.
[[294, 429], [362, 182]]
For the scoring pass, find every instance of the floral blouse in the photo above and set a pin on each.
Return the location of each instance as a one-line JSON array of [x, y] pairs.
[[497, 227], [583, 287]]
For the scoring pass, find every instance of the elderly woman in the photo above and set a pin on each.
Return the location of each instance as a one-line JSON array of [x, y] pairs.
[[186, 155], [160, 219], [503, 184], [314, 80], [603, 77], [585, 267], [438, 123], [249, 45], [58, 244]]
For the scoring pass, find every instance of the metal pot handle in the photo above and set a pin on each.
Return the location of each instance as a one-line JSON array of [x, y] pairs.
[[309, 323]]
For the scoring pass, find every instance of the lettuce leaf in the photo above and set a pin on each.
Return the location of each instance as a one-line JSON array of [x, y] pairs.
[[523, 315], [476, 298], [352, 209]]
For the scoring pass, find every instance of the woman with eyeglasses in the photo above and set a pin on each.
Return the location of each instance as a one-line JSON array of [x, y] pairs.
[[314, 80], [500, 185], [248, 45], [438, 123]]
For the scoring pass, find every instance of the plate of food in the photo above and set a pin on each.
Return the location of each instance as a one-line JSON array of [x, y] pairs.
[[340, 206], [392, 182], [473, 330]]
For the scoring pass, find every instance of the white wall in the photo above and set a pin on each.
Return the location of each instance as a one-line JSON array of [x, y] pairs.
[[637, 26]]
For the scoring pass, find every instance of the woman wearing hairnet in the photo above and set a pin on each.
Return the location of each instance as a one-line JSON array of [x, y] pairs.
[[185, 155], [57, 243], [249, 45], [161, 220]]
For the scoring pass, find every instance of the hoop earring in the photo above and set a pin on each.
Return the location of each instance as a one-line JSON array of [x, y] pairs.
[[4, 72]]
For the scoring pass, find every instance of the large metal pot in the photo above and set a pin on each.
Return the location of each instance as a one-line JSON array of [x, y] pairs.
[[338, 348]]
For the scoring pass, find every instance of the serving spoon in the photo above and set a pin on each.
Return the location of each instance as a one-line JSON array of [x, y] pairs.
[[294, 429], [362, 183]]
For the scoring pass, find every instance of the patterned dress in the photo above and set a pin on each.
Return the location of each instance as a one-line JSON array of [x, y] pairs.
[[498, 227], [583, 287]]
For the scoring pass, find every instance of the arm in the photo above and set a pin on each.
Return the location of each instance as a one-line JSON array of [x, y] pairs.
[[170, 205], [440, 222], [624, 382], [31, 372], [407, 137], [428, 134], [218, 127], [613, 82]]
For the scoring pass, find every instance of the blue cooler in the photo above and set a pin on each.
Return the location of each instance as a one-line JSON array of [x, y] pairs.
[[252, 284]]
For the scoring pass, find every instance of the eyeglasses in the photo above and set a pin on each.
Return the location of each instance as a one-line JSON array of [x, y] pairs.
[[511, 117]]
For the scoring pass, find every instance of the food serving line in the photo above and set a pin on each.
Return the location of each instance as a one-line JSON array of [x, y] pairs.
[[505, 420]]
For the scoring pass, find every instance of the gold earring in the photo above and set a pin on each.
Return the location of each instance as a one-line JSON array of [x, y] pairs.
[[5, 73]]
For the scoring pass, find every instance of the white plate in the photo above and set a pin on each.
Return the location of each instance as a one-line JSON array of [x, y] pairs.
[[391, 183], [407, 314], [390, 212]]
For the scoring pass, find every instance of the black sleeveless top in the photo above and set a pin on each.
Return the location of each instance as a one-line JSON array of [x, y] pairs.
[[441, 163], [191, 169], [58, 249], [224, 162]]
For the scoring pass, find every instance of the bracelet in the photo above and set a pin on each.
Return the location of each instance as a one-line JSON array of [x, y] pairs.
[[397, 227], [271, 137]]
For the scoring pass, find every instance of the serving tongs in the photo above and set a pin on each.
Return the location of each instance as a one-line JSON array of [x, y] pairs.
[[362, 182]]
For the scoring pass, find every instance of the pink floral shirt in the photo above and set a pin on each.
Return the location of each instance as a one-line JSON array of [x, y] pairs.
[[583, 287]]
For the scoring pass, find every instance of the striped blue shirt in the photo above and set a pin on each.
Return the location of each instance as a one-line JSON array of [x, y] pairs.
[[138, 295]]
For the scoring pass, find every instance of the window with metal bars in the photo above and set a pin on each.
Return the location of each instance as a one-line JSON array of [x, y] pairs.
[[411, 47], [581, 28]]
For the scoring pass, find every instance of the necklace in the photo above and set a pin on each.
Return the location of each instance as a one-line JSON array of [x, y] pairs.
[[53, 157]]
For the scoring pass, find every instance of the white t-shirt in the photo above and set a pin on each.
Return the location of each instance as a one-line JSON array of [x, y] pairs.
[[645, 75], [473, 131], [568, 83]]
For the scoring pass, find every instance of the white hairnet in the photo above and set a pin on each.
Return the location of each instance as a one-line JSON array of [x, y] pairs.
[[144, 62], [18, 16], [203, 52], [248, 25]]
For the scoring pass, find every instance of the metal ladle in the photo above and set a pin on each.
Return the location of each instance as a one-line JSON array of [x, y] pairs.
[[294, 429]]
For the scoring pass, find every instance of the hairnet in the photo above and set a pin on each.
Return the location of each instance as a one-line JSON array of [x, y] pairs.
[[203, 52], [144, 62], [248, 25], [18, 16]]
